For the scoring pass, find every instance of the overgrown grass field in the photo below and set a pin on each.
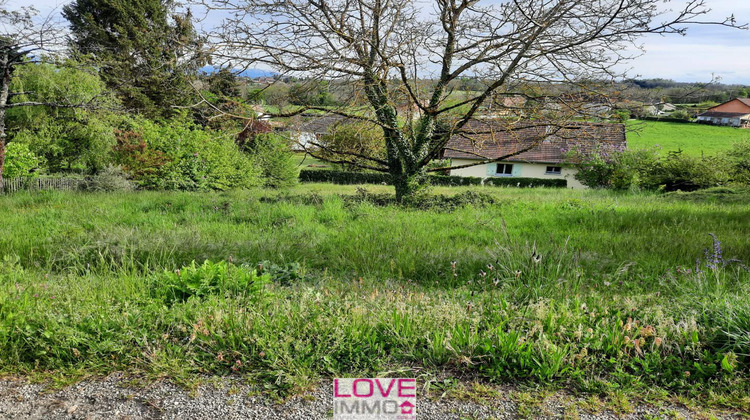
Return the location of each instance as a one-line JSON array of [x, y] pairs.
[[589, 290], [692, 139]]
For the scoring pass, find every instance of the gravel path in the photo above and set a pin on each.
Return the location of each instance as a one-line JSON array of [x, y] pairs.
[[112, 398]]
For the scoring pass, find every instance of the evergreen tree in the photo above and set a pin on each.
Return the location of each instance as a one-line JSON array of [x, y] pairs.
[[145, 49]]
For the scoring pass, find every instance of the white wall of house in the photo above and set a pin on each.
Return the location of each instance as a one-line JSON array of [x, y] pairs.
[[732, 122], [520, 170]]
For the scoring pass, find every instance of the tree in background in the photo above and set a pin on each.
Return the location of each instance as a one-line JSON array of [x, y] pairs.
[[64, 136], [145, 49], [21, 37], [389, 47]]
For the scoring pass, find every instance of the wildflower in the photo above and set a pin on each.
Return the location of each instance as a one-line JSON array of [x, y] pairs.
[[490, 267], [496, 281], [453, 265], [687, 373], [262, 354], [517, 273], [537, 258], [657, 341], [482, 273]]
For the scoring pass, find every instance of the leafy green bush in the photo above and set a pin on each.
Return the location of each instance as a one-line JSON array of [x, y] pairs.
[[678, 171], [210, 278], [739, 161], [111, 178], [645, 169], [19, 160], [177, 155], [275, 159]]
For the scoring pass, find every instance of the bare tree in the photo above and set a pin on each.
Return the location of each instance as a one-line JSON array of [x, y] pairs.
[[406, 55]]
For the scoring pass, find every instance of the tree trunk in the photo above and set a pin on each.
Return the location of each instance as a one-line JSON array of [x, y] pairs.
[[407, 185]]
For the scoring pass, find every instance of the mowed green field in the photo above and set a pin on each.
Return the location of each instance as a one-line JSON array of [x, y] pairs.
[[598, 292], [692, 139]]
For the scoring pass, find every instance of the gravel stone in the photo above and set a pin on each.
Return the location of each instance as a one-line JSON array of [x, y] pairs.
[[229, 398]]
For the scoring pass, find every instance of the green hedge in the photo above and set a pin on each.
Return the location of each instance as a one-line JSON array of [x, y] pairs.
[[346, 178]]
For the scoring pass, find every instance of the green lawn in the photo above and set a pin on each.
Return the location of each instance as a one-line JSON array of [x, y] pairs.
[[589, 290], [693, 139]]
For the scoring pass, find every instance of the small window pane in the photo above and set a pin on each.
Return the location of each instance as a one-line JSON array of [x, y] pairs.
[[554, 170], [504, 169]]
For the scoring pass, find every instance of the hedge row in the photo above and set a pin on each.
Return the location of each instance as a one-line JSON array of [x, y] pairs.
[[347, 178]]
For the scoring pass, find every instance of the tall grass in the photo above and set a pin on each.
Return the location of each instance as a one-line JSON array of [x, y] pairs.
[[592, 290]]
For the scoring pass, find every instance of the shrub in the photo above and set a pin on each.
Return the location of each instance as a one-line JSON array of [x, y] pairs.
[[678, 171], [19, 161], [275, 159], [111, 178], [629, 169], [680, 114], [739, 160], [177, 155]]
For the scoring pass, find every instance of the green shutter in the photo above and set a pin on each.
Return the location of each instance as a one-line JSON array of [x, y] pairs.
[[516, 169], [491, 169]]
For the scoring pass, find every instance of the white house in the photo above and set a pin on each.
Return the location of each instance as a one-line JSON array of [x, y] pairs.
[[734, 113], [528, 150]]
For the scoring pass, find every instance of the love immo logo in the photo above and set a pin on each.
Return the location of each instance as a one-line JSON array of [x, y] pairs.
[[374, 399]]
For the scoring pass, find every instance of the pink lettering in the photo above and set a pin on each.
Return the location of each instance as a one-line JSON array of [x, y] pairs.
[[387, 392], [336, 390], [402, 387]]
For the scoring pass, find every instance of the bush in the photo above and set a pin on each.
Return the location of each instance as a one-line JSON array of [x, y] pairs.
[[739, 160], [645, 169], [275, 160], [349, 178], [111, 178], [177, 155], [19, 161]]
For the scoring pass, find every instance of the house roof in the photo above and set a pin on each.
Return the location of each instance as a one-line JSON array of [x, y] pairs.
[[714, 114], [743, 101], [321, 124], [547, 143]]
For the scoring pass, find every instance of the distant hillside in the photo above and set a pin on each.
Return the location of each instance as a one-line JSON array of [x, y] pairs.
[[693, 139], [251, 73]]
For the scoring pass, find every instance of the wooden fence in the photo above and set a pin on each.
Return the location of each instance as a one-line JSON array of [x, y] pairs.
[[12, 185]]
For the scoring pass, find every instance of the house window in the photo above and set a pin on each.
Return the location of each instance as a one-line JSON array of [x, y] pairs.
[[554, 170], [504, 169]]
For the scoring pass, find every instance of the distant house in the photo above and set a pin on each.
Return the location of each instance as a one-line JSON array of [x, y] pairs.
[[734, 113], [312, 129], [547, 145]]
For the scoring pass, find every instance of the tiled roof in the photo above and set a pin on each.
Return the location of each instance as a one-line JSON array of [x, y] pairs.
[[494, 139], [745, 101], [714, 114]]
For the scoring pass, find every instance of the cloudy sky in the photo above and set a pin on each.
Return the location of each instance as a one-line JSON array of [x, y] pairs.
[[705, 52]]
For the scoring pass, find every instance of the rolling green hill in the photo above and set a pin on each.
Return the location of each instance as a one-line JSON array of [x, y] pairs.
[[693, 139]]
